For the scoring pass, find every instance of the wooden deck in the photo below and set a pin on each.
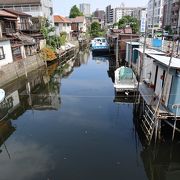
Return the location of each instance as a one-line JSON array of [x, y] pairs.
[[152, 100]]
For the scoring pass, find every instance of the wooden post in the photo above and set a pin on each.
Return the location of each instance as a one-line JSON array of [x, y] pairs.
[[117, 52]]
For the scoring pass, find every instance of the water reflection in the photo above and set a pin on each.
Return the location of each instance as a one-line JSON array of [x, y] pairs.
[[6, 129], [162, 161], [68, 127], [28, 161]]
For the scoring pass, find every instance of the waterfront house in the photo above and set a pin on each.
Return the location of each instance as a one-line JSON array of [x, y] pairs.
[[130, 54], [23, 20], [62, 24], [13, 24], [5, 46], [171, 95], [137, 62], [78, 25], [122, 36], [5, 52]]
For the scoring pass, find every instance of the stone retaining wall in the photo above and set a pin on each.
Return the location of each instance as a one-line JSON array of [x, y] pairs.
[[19, 68]]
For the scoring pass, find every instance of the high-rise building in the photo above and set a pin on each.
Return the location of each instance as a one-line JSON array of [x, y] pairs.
[[109, 15], [139, 12], [100, 15], [122, 11], [36, 8], [85, 9], [155, 14], [113, 15], [141, 15], [175, 16]]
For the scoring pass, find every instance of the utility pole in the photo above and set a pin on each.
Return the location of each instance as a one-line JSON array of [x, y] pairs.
[[153, 18]]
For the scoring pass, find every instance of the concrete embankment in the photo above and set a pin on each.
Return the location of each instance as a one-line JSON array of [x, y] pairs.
[[19, 68]]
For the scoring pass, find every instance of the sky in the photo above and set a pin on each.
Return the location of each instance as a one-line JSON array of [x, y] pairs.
[[63, 7]]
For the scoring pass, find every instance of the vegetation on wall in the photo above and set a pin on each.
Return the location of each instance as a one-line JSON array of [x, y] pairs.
[[48, 54], [63, 38]]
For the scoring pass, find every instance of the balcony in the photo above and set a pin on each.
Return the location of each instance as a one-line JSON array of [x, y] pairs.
[[9, 31]]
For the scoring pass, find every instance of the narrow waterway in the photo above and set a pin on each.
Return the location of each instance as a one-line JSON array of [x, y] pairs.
[[63, 124]]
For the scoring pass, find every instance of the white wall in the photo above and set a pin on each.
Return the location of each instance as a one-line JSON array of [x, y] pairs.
[[159, 82], [15, 97], [167, 88], [63, 28], [7, 51]]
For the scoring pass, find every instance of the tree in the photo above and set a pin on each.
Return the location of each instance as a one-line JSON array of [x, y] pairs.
[[129, 21], [74, 12], [47, 30], [95, 29]]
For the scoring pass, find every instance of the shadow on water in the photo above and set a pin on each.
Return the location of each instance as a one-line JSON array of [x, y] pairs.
[[161, 160]]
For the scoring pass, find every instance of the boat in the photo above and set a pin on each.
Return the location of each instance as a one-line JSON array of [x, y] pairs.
[[99, 45], [2, 95], [125, 80]]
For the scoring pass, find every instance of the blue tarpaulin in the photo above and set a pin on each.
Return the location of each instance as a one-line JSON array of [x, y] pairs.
[[156, 42]]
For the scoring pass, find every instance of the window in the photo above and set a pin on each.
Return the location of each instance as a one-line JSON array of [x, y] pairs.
[[35, 8], [2, 55], [26, 9]]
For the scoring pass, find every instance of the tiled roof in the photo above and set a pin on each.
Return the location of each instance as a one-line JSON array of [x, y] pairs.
[[14, 2], [18, 13], [61, 19], [78, 19], [7, 14]]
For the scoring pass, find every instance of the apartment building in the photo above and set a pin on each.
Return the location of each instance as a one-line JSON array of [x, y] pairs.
[[171, 15], [35, 8], [119, 12], [85, 9], [155, 14]]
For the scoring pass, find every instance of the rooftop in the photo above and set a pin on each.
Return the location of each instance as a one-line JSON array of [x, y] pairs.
[[78, 19], [18, 13], [14, 2], [149, 51], [7, 14], [175, 62], [61, 19]]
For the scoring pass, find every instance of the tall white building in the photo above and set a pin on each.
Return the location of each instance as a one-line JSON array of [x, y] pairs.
[[113, 15], [85, 9], [155, 14], [122, 11], [43, 8]]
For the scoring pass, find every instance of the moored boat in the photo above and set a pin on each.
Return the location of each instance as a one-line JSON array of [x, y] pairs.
[[2, 95], [99, 45], [125, 80]]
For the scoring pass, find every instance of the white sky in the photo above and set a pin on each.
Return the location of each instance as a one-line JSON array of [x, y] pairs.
[[63, 7]]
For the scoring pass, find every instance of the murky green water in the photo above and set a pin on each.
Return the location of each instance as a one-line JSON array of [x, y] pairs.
[[69, 128]]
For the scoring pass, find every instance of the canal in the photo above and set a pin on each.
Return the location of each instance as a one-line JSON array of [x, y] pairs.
[[65, 123]]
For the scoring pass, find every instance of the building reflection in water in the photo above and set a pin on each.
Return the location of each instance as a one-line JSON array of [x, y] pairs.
[[161, 161], [6, 129], [39, 91]]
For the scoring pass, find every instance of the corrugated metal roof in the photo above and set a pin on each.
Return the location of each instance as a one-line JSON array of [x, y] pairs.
[[175, 63], [149, 51]]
